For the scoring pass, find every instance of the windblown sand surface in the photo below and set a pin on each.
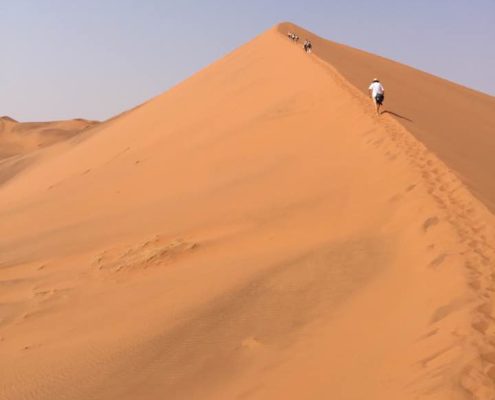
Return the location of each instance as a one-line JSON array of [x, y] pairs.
[[257, 233]]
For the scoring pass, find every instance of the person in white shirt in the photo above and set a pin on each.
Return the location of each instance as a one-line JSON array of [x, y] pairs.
[[377, 93]]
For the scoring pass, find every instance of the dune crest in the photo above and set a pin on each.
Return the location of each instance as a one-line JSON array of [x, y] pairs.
[[454, 122], [255, 232]]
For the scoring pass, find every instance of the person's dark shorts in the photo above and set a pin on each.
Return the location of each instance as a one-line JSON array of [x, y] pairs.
[[379, 98]]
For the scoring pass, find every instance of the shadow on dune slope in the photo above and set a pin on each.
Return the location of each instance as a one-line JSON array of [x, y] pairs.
[[455, 122]]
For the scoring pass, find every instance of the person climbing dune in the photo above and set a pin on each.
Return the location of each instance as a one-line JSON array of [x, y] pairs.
[[307, 46], [377, 93]]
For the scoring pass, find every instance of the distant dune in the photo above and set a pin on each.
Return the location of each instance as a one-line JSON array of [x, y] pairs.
[[257, 232], [23, 137], [6, 118], [20, 142]]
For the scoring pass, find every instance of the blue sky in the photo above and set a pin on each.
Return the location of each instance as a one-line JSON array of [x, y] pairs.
[[94, 59]]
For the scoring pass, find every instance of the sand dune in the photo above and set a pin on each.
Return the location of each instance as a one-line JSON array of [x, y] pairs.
[[22, 137], [20, 142], [255, 232]]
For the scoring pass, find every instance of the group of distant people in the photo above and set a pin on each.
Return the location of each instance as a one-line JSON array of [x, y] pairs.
[[376, 90], [307, 46], [293, 36]]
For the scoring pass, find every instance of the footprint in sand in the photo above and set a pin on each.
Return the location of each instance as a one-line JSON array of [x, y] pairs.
[[446, 310], [438, 260], [481, 325], [430, 222], [475, 284], [486, 309]]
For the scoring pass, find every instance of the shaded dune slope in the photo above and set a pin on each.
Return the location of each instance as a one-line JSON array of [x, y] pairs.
[[248, 234], [456, 123]]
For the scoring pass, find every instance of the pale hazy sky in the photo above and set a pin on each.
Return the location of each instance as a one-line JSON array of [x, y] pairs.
[[96, 58]]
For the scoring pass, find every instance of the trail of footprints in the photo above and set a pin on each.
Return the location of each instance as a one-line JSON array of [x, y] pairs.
[[460, 212], [467, 216]]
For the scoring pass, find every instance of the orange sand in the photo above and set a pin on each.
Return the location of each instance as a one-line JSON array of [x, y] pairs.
[[256, 233]]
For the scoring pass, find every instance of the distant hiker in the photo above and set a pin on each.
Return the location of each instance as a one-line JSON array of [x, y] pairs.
[[289, 35], [377, 93], [309, 46]]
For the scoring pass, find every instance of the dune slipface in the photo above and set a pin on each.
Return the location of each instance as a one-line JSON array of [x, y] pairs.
[[255, 232], [454, 122]]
